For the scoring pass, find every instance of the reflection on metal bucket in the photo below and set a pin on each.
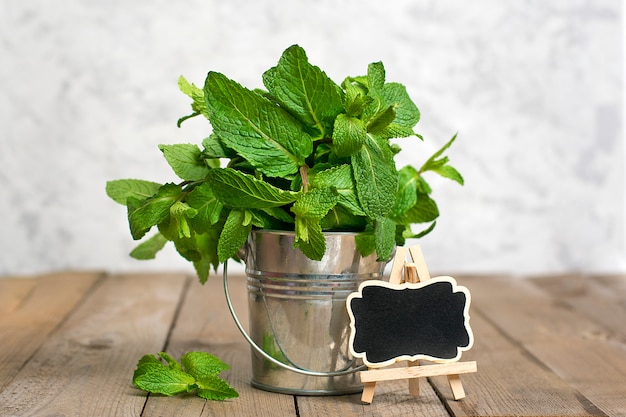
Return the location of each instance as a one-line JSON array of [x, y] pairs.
[[298, 313]]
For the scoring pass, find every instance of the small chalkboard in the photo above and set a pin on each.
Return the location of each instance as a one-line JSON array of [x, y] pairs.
[[393, 322]]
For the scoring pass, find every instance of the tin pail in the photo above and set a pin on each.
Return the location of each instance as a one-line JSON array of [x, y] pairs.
[[299, 324]]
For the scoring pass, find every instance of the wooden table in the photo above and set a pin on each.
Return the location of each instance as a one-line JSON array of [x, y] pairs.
[[69, 342]]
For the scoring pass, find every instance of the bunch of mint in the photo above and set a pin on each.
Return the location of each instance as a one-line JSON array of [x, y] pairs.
[[198, 374], [305, 154]]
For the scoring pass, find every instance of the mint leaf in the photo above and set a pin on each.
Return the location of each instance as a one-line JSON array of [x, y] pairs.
[[407, 190], [309, 94], [149, 248], [407, 113], [199, 375], [212, 387], [381, 120], [186, 161], [436, 164], [170, 361], [341, 218], [261, 132], [355, 99], [365, 242], [341, 179], [349, 135], [384, 238], [310, 238], [376, 177], [208, 207], [425, 210], [142, 215], [315, 203], [154, 376], [202, 364], [238, 190], [449, 172], [120, 190], [214, 149], [234, 235], [376, 76], [180, 214], [198, 104], [408, 233]]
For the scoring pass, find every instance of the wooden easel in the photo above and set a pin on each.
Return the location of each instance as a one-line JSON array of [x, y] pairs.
[[415, 271]]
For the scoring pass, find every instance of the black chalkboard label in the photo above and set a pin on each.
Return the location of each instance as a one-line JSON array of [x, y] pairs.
[[393, 322]]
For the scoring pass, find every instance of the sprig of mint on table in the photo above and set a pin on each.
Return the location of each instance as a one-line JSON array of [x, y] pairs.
[[305, 154], [197, 372]]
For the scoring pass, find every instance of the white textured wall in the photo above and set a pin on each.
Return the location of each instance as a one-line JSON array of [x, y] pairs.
[[534, 88]]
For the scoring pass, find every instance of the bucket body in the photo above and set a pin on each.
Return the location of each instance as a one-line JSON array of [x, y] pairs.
[[297, 311]]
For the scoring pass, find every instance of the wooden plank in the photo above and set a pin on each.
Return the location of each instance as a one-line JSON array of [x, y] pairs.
[[391, 398], [12, 292], [558, 337], [509, 381], [601, 298], [85, 367], [36, 308], [205, 324]]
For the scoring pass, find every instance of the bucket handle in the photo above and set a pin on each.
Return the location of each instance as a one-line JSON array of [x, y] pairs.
[[265, 355]]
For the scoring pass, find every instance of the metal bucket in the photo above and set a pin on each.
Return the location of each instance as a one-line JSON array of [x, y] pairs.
[[299, 324]]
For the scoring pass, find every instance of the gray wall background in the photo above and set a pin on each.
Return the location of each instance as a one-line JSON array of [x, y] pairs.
[[88, 89]]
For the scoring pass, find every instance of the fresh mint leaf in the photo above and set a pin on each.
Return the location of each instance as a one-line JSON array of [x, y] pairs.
[[355, 99], [366, 242], [238, 190], [434, 162], [202, 364], [212, 387], [407, 113], [207, 247], [384, 238], [120, 190], [309, 94], [407, 190], [142, 215], [154, 376], [376, 177], [198, 373], [315, 203], [180, 214], [376, 76], [149, 248], [233, 236], [261, 132], [447, 171], [425, 210], [173, 363], [186, 161], [208, 207], [394, 130], [310, 238], [408, 233], [196, 94], [349, 135], [381, 120], [341, 218], [341, 179], [214, 149]]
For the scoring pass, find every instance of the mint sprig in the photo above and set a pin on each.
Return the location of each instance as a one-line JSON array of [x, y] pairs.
[[198, 374], [306, 155]]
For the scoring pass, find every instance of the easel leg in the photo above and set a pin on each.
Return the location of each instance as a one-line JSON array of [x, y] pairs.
[[456, 386], [414, 383], [368, 392]]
